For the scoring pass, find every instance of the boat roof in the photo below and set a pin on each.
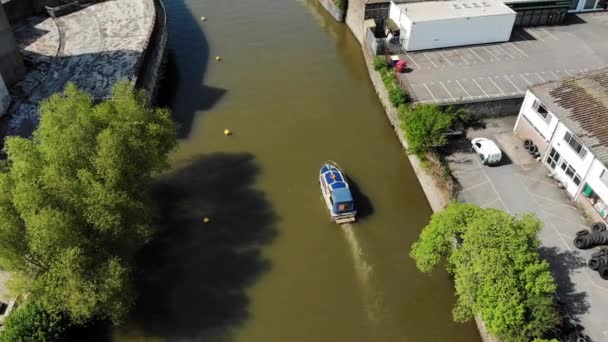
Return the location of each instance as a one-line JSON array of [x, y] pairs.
[[333, 177], [342, 195]]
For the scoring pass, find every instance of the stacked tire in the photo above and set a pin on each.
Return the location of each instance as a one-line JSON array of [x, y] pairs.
[[597, 236], [532, 149], [586, 240]]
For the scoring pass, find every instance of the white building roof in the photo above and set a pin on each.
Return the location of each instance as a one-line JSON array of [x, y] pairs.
[[439, 10]]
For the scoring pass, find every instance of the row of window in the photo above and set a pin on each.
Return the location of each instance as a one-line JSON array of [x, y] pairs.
[[569, 138]]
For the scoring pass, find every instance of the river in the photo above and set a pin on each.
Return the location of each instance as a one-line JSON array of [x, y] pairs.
[[269, 266]]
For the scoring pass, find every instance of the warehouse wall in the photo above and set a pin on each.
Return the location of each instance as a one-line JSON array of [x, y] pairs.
[[11, 62], [437, 34]]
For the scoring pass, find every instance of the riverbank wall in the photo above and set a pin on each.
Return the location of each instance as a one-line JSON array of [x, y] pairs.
[[152, 68], [436, 196], [331, 8]]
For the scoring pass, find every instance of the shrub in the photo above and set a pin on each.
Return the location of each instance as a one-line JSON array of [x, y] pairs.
[[498, 273], [32, 323], [380, 63], [396, 96], [425, 128]]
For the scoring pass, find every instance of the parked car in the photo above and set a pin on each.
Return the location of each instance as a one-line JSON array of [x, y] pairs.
[[487, 150]]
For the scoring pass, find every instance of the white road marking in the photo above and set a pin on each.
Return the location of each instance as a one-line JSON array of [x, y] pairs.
[[496, 85], [554, 75], [542, 79], [536, 36], [490, 52], [461, 56], [430, 92], [549, 33], [446, 89], [427, 57], [477, 84], [522, 76], [444, 57], [468, 94], [413, 60], [518, 49], [516, 87], [481, 59], [505, 51], [568, 72]]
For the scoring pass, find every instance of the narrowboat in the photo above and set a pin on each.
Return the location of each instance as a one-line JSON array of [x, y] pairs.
[[336, 193]]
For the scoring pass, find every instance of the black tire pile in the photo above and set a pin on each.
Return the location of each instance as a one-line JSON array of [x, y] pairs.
[[531, 148], [586, 239]]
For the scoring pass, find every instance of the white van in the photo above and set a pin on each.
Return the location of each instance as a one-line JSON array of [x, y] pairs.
[[487, 150]]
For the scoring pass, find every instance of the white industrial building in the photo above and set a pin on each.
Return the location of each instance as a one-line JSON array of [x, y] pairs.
[[568, 120], [440, 24]]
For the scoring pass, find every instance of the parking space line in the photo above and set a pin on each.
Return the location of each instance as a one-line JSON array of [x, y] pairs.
[[522, 76], [477, 84], [485, 205], [542, 79], [446, 89], [505, 51], [444, 57], [430, 92], [568, 72], [518, 49], [468, 94], [493, 187], [413, 60], [536, 36], [490, 52], [554, 201], [427, 57], [475, 53], [461, 56], [549, 33], [496, 85], [554, 75], [513, 84]]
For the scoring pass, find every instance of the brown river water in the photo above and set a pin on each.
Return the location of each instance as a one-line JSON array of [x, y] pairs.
[[269, 266]]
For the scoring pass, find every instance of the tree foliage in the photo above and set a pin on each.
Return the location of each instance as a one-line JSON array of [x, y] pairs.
[[425, 128], [32, 323], [74, 205], [497, 270]]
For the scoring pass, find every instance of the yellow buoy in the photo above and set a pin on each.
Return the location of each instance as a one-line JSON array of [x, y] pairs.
[[217, 58], [227, 132], [203, 18], [206, 220]]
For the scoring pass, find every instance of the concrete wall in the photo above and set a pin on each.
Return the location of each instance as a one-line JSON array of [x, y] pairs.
[[489, 108], [437, 34], [5, 99], [152, 68], [331, 7], [17, 10], [11, 62]]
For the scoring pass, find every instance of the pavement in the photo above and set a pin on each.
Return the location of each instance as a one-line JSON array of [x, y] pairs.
[[93, 48], [505, 70], [520, 185]]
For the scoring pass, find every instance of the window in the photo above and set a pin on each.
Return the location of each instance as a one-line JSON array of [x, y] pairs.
[[576, 145], [553, 158], [604, 177], [541, 110], [571, 173]]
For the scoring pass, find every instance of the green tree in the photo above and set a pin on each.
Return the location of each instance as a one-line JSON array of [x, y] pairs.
[[32, 323], [74, 203], [497, 270], [425, 127]]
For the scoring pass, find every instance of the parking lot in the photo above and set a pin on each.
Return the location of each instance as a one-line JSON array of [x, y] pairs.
[[534, 55], [521, 185]]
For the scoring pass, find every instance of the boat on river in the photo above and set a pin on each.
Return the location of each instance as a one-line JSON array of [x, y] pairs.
[[336, 193]]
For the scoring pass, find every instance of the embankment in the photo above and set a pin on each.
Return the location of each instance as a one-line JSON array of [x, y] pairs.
[[331, 8]]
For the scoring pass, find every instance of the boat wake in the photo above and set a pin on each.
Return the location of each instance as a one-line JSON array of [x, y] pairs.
[[364, 271]]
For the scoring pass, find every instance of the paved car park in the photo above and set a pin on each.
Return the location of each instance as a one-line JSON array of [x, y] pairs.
[[534, 55], [520, 185]]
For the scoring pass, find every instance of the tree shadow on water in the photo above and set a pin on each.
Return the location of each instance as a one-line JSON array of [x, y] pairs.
[[194, 276]]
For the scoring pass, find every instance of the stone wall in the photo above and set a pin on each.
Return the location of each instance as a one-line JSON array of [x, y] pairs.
[[152, 68], [11, 62], [331, 7], [377, 11], [491, 108], [5, 99]]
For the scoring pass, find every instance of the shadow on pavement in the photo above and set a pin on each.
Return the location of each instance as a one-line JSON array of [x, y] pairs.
[[194, 276]]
